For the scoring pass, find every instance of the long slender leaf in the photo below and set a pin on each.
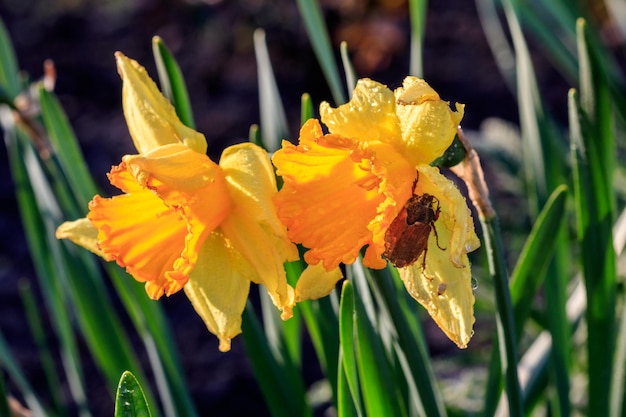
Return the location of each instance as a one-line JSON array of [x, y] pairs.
[[9, 80], [318, 34], [417, 12], [283, 397], [172, 81], [534, 258], [592, 153], [8, 362], [505, 322], [273, 119], [380, 391], [411, 341], [35, 228], [349, 370], [66, 146], [33, 316]]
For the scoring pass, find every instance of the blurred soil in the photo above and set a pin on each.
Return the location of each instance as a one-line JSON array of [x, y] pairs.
[[213, 42]]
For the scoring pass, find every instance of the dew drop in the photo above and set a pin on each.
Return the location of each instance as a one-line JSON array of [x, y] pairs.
[[474, 284]]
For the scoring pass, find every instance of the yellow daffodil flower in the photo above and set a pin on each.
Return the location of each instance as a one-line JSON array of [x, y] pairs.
[[184, 221], [343, 190]]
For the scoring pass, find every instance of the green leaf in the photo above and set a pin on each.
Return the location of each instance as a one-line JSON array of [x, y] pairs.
[[452, 156], [306, 108], [129, 399], [273, 119], [378, 385], [9, 362], [505, 321], [535, 256], [348, 69], [318, 34], [172, 81], [593, 154], [9, 79], [417, 11], [34, 315], [283, 393], [417, 368], [348, 354], [37, 235], [66, 148]]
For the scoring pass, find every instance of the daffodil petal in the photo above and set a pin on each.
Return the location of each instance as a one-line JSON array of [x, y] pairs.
[[445, 291], [316, 282], [218, 288], [455, 215], [151, 118], [444, 286], [428, 124], [142, 234], [83, 233], [370, 115], [156, 229], [329, 196], [253, 225]]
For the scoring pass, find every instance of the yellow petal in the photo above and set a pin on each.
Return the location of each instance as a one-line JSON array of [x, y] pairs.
[[329, 196], [445, 291], [428, 124], [444, 286], [142, 234], [151, 119], [315, 282], [83, 233], [218, 288], [370, 115], [253, 226], [455, 214], [156, 230]]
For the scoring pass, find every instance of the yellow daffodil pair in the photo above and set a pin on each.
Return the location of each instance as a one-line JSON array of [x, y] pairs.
[[185, 222]]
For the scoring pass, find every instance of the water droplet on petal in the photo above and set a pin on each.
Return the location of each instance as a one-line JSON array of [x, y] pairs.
[[474, 284]]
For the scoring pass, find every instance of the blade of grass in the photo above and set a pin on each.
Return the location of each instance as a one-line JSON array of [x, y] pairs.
[[345, 403], [33, 316], [618, 394], [534, 258], [9, 79], [348, 69], [273, 119], [283, 397], [68, 152], [321, 320], [318, 34], [306, 108], [592, 153], [417, 366], [376, 379], [94, 314], [9, 363], [505, 322], [34, 229], [172, 81], [350, 371], [417, 12]]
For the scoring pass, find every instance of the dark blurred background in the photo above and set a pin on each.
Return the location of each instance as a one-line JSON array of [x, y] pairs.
[[212, 41]]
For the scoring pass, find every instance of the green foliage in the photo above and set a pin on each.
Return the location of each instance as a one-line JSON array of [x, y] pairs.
[[368, 337], [129, 399]]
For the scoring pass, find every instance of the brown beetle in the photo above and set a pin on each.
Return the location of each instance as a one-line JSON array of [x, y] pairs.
[[407, 235]]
